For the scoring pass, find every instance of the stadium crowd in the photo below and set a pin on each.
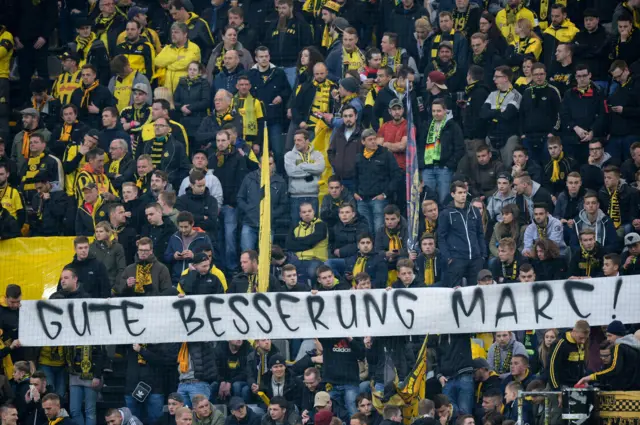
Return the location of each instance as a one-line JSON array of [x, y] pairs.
[[525, 119]]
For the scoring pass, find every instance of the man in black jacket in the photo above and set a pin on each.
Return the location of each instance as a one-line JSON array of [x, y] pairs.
[[280, 381], [91, 272], [558, 168], [91, 98], [582, 115], [529, 193], [159, 229], [247, 281], [343, 237], [485, 57], [197, 370], [230, 168], [367, 261], [476, 92], [455, 369], [340, 368], [34, 413], [624, 125], [236, 372], [590, 47], [199, 202], [8, 225], [52, 209], [147, 363], [173, 157]]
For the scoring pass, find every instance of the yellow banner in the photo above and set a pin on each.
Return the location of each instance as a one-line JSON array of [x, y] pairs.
[[321, 144], [35, 264]]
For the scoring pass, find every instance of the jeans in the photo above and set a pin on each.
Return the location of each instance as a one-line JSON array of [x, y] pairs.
[[460, 393], [248, 238], [276, 144], [227, 233], [506, 151], [537, 149], [373, 211], [57, 378], [295, 206], [291, 73], [153, 406], [619, 147], [190, 390], [438, 179], [30, 60], [337, 265], [307, 271], [79, 395], [238, 388], [346, 396], [460, 268]]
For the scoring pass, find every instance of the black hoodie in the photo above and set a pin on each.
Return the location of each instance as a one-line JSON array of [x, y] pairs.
[[235, 367], [92, 275], [453, 353], [159, 235], [474, 127]]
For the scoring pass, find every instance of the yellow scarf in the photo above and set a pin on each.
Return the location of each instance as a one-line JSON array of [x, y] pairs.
[[7, 363], [555, 175], [327, 38], [368, 153], [395, 243], [224, 117], [86, 92], [143, 277], [348, 98], [429, 272], [359, 267], [65, 136], [56, 421], [589, 260], [221, 155], [253, 283], [141, 359], [614, 208], [542, 230], [247, 109], [397, 59], [436, 42], [183, 358], [25, 143], [479, 390]]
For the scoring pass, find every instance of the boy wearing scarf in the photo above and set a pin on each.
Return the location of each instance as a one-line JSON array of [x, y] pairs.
[[91, 98], [391, 240], [586, 261], [367, 261], [558, 168], [508, 268], [430, 266], [619, 201]]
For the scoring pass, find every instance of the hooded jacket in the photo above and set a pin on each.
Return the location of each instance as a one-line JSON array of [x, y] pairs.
[[345, 236], [245, 57], [194, 283], [513, 348], [160, 279], [623, 374], [377, 175], [250, 195], [159, 235], [496, 202], [111, 256], [175, 244], [93, 275], [304, 176], [176, 60], [201, 206], [553, 230], [605, 231], [235, 367], [552, 36], [460, 233], [291, 391], [453, 354]]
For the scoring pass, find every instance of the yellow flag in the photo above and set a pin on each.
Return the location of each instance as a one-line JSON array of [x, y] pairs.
[[264, 240]]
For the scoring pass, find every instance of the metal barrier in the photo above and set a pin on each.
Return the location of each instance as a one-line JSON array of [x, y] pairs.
[[577, 404]]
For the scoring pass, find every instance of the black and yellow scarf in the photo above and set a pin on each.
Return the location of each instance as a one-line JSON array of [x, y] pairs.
[[450, 72], [397, 59], [509, 272], [157, 148], [479, 390], [429, 271], [141, 359], [225, 116], [359, 267], [65, 136], [249, 119], [252, 278], [542, 230], [143, 276], [505, 365], [81, 356], [436, 42], [86, 92], [614, 208], [556, 174], [588, 261], [222, 155]]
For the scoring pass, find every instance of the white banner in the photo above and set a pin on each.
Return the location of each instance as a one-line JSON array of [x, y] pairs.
[[520, 306]]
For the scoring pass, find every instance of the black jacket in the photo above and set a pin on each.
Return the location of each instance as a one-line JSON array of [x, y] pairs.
[[453, 354], [250, 195], [93, 275], [451, 145], [108, 135], [284, 48], [208, 128], [51, 214], [100, 96], [194, 283], [159, 235], [567, 165], [415, 284], [197, 95], [174, 160], [590, 48], [474, 127], [201, 206], [126, 169], [251, 418], [628, 170], [57, 147], [8, 225], [540, 111], [149, 366], [203, 360], [230, 175], [566, 362], [580, 266], [291, 391], [35, 19], [268, 85], [628, 199], [240, 284], [489, 60], [628, 122], [342, 153], [586, 110], [340, 360], [375, 267], [439, 269], [623, 373], [235, 367], [551, 269], [377, 175], [345, 236], [303, 101]]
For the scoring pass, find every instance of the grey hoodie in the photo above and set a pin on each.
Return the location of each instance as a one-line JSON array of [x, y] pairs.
[[517, 349], [598, 227], [128, 418], [629, 340], [496, 202], [303, 176]]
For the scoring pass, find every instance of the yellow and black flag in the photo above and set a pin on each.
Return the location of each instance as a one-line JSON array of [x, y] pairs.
[[264, 240]]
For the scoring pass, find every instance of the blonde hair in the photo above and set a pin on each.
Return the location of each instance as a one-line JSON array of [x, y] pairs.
[[164, 93], [423, 23], [106, 226], [525, 25]]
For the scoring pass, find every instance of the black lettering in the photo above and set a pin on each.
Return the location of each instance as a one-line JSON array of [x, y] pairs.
[[187, 317], [315, 315], [505, 294], [208, 302], [257, 299], [458, 302], [354, 314], [232, 305], [126, 305], [85, 313], [397, 293], [371, 303], [106, 309], [572, 285], [537, 289], [43, 306], [280, 298]]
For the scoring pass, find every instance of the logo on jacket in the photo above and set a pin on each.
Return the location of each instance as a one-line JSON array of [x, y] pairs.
[[342, 347]]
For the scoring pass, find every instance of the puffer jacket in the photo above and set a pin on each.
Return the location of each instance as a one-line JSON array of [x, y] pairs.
[[203, 360], [159, 235], [93, 275], [112, 256], [196, 94], [303, 176], [201, 206]]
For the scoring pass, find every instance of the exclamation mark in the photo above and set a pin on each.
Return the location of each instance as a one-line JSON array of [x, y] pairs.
[[615, 295]]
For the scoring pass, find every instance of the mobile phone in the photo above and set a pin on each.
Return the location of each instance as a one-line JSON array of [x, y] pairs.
[[372, 75]]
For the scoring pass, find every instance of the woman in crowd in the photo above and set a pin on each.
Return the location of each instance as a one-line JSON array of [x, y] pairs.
[[508, 228], [192, 98], [550, 336], [109, 251], [547, 262], [524, 80], [494, 36]]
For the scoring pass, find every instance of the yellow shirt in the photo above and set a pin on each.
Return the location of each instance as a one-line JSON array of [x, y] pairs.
[[65, 85], [6, 52], [122, 90], [508, 28], [175, 61], [11, 201]]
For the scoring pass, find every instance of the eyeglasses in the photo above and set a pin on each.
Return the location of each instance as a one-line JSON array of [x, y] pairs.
[[144, 250]]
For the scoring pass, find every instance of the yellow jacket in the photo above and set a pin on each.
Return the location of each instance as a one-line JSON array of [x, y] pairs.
[[176, 60], [151, 36], [214, 271], [319, 251], [509, 29], [565, 33], [529, 46], [6, 51]]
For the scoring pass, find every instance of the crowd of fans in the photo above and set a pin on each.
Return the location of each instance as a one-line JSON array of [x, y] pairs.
[[525, 116]]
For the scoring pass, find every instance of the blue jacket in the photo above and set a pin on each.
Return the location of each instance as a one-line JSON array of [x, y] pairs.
[[460, 233], [375, 267], [225, 80], [200, 242]]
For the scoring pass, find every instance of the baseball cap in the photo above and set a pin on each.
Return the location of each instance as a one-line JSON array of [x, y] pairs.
[[69, 55], [93, 133], [484, 273], [90, 186], [236, 403], [480, 363], [505, 175], [276, 359], [135, 11], [395, 102], [439, 79], [323, 417], [321, 399], [446, 45], [631, 239], [30, 111], [200, 257], [141, 87], [340, 24]]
